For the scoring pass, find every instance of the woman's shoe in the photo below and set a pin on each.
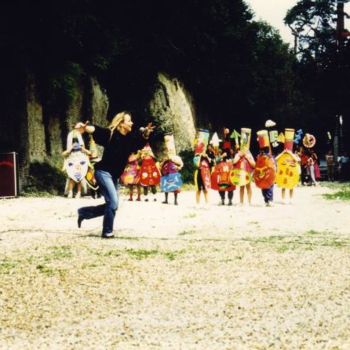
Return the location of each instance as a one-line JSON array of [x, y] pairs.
[[107, 235]]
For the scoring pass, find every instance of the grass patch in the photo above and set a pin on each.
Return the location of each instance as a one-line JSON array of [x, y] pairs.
[[6, 266], [56, 253], [60, 252], [187, 232], [312, 233], [311, 240], [342, 192], [173, 255], [283, 248], [340, 195], [142, 253], [190, 215], [114, 253], [45, 270]]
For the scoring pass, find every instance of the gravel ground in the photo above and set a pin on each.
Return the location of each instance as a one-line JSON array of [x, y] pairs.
[[176, 277]]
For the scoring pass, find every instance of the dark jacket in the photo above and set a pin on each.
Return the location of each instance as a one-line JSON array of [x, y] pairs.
[[117, 149]]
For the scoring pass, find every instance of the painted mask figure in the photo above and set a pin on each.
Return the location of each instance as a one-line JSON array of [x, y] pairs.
[[76, 166], [264, 172], [287, 171], [150, 174], [131, 174]]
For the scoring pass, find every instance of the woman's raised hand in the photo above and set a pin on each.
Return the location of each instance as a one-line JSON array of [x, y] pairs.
[[80, 126]]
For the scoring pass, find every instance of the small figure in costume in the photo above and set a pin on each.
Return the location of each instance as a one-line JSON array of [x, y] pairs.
[[220, 177], [211, 153], [131, 175], [312, 167], [149, 173], [76, 162], [202, 163], [265, 168], [244, 164], [226, 142], [202, 177], [171, 178], [304, 177], [288, 168]]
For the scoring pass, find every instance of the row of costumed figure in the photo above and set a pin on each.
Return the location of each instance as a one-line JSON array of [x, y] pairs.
[[237, 167], [144, 171]]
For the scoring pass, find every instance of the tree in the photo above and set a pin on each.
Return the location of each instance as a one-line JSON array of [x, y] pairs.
[[324, 65], [312, 23]]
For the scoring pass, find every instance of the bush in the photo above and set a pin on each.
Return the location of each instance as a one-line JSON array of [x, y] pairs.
[[44, 179], [188, 168]]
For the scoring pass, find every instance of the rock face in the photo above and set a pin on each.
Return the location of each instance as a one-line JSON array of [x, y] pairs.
[[98, 103], [173, 109], [36, 134], [39, 136], [35, 124]]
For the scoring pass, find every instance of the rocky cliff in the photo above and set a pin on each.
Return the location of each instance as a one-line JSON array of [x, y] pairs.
[[38, 134], [173, 110]]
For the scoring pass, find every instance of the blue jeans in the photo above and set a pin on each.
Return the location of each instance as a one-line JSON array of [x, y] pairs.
[[109, 190], [268, 194]]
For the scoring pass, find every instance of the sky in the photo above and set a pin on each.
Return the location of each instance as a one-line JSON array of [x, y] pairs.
[[273, 12]]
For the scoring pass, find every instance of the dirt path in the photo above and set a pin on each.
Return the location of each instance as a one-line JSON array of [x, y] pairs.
[[177, 277]]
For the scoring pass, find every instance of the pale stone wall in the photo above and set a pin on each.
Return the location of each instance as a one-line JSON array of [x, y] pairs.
[[55, 141], [99, 103], [75, 109], [36, 128], [173, 109]]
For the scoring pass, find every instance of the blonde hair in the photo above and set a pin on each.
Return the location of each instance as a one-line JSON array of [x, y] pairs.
[[117, 120]]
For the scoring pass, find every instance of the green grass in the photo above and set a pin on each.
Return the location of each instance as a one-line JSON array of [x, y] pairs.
[[187, 232], [6, 265], [342, 192], [312, 232], [45, 270], [310, 240], [190, 215], [172, 255], [142, 253], [60, 252], [339, 195]]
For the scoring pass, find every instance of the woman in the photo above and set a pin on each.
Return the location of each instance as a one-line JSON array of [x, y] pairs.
[[119, 142]]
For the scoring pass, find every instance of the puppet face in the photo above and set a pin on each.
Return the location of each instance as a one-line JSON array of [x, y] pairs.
[[201, 141], [76, 166], [170, 145], [245, 139], [287, 171], [147, 153], [309, 141], [264, 172]]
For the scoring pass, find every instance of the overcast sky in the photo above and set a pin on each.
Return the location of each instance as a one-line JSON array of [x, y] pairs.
[[273, 12]]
